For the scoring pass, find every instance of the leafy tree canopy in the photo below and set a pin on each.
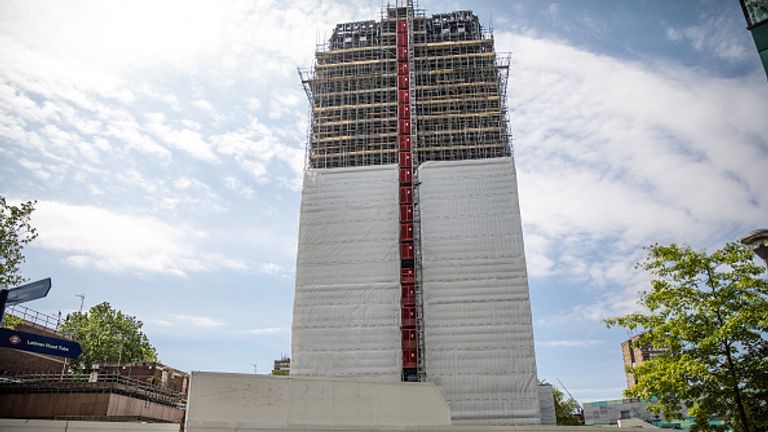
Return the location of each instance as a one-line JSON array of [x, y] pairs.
[[708, 315], [10, 321], [15, 232], [565, 409], [107, 335]]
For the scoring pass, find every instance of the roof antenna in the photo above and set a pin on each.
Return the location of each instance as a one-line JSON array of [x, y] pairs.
[[82, 301]]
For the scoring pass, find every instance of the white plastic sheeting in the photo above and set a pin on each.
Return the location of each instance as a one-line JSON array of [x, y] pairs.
[[547, 405], [346, 313], [477, 313]]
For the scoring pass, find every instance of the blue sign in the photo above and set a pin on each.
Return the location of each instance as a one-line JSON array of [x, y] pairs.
[[28, 292], [38, 343]]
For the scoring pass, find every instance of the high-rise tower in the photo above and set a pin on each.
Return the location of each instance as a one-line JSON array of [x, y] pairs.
[[410, 264]]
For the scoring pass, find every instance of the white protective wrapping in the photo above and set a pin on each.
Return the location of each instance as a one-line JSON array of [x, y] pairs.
[[477, 313], [346, 313], [547, 405]]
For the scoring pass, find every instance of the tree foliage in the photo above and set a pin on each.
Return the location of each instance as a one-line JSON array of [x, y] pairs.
[[15, 232], [107, 335], [565, 409], [708, 314], [10, 321]]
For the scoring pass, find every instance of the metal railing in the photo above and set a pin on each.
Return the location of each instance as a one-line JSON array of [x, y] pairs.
[[92, 383], [35, 318]]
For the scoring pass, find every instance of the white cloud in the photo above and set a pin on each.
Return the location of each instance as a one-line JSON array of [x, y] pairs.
[[236, 185], [255, 146], [172, 101], [613, 156], [536, 250], [266, 331], [284, 102], [591, 123], [553, 9], [206, 107], [254, 103], [195, 321], [128, 131], [187, 140], [568, 343], [271, 268], [91, 79], [117, 35], [184, 183], [91, 237], [716, 36], [261, 37], [137, 179], [36, 168], [191, 124]]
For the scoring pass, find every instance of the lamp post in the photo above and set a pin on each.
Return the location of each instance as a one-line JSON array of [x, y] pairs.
[[757, 240]]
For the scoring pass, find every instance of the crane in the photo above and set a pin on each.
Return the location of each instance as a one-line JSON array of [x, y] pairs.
[[581, 409]]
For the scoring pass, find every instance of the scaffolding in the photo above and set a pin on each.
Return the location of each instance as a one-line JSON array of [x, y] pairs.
[[405, 90], [458, 91]]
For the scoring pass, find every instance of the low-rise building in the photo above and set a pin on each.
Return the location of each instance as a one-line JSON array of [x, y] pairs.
[[282, 366], [35, 386], [611, 411]]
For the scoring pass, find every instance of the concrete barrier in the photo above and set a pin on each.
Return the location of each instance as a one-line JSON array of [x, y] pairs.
[[226, 402]]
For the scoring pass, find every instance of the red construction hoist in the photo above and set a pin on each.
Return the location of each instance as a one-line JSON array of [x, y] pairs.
[[408, 282]]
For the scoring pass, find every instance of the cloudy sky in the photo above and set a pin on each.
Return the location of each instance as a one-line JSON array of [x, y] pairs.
[[164, 142]]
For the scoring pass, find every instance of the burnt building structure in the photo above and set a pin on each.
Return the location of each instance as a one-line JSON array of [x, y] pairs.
[[410, 263]]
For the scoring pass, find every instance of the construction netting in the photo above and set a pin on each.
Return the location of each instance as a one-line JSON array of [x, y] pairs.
[[346, 313], [477, 314], [547, 405], [477, 317]]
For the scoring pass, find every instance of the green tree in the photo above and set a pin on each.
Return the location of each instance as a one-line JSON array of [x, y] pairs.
[[708, 314], [107, 336], [15, 233], [10, 321], [565, 409]]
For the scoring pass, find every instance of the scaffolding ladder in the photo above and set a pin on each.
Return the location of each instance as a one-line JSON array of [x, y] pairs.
[[411, 310]]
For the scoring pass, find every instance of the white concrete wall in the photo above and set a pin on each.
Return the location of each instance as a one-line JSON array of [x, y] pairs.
[[225, 402]]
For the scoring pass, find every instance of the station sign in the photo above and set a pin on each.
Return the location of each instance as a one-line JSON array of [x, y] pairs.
[[40, 344]]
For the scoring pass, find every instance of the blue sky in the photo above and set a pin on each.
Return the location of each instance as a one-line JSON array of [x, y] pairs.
[[164, 142]]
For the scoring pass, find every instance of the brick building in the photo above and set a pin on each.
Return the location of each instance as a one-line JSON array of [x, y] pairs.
[[634, 354]]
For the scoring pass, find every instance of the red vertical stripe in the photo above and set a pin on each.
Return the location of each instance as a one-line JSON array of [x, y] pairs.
[[405, 177]]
